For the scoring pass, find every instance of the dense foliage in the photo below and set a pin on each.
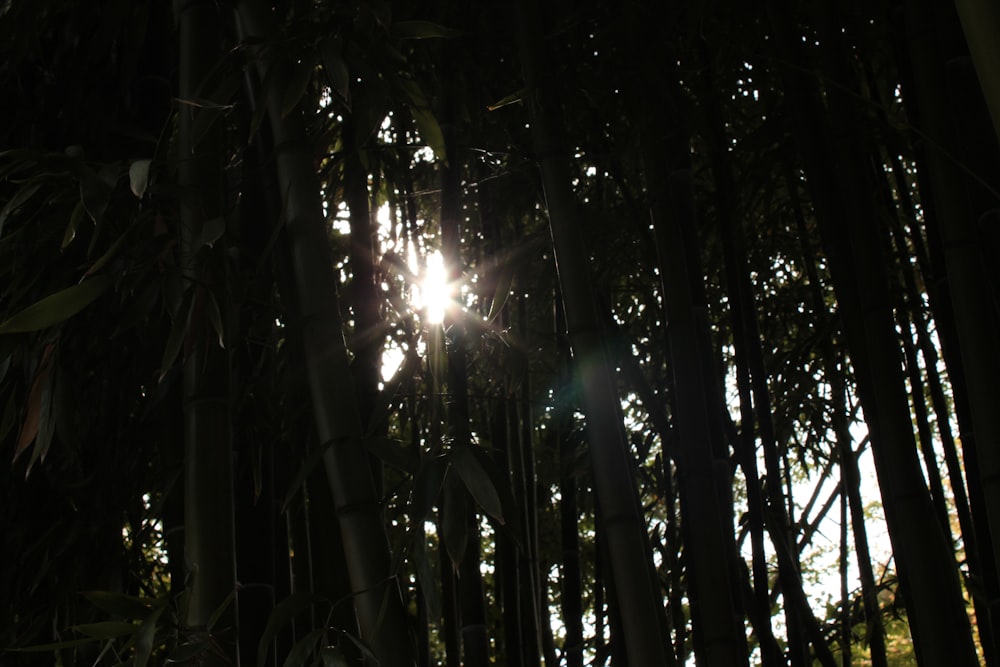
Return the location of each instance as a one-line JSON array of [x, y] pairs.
[[709, 265]]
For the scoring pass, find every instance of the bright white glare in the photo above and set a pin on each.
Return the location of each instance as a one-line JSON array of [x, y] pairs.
[[435, 291], [392, 358]]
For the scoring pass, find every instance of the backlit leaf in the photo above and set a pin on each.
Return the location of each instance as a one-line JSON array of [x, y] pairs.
[[119, 604], [427, 124], [37, 395], [95, 194], [282, 615], [392, 452], [513, 98], [333, 657], [427, 487], [138, 177], [17, 201], [57, 307], [477, 481], [75, 218], [304, 648], [454, 522], [296, 88], [337, 74], [106, 629]]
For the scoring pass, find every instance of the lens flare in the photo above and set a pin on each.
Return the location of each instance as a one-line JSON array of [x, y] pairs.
[[435, 290]]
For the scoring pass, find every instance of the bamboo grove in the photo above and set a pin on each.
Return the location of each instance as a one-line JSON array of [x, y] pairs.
[[709, 264]]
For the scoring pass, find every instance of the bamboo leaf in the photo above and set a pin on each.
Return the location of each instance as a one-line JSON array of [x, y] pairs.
[[212, 230], [95, 194], [110, 253], [75, 218], [138, 177], [392, 452], [282, 615], [215, 317], [144, 638], [220, 610], [427, 487], [427, 124], [57, 307], [502, 292], [337, 74], [296, 88], [477, 481], [55, 646], [186, 653], [304, 471], [33, 414], [305, 647], [513, 98], [17, 201], [423, 30], [46, 424], [118, 604], [366, 651], [431, 132], [178, 332], [106, 629], [454, 524], [333, 657]]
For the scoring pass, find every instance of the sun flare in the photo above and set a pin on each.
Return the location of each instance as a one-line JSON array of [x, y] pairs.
[[435, 290]]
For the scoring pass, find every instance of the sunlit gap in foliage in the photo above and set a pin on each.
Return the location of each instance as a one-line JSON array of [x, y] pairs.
[[436, 292]]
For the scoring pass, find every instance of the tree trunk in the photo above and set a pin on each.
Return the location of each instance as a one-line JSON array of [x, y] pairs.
[[209, 532], [622, 516], [834, 173], [381, 615]]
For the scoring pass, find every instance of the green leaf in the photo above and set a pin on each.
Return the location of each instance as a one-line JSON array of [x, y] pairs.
[[305, 470], [178, 332], [46, 423], [305, 647], [427, 124], [428, 579], [55, 646], [138, 177], [333, 657], [110, 252], [38, 395], [282, 615], [106, 629], [513, 98], [17, 201], [392, 452], [337, 74], [423, 30], [221, 609], [57, 307], [212, 230], [145, 637], [387, 397], [186, 653], [79, 212], [454, 522], [214, 317], [477, 481], [296, 88], [427, 487], [118, 604], [260, 105], [95, 194], [502, 292]]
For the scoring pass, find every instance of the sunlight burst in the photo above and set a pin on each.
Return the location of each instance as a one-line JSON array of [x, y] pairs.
[[435, 290]]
